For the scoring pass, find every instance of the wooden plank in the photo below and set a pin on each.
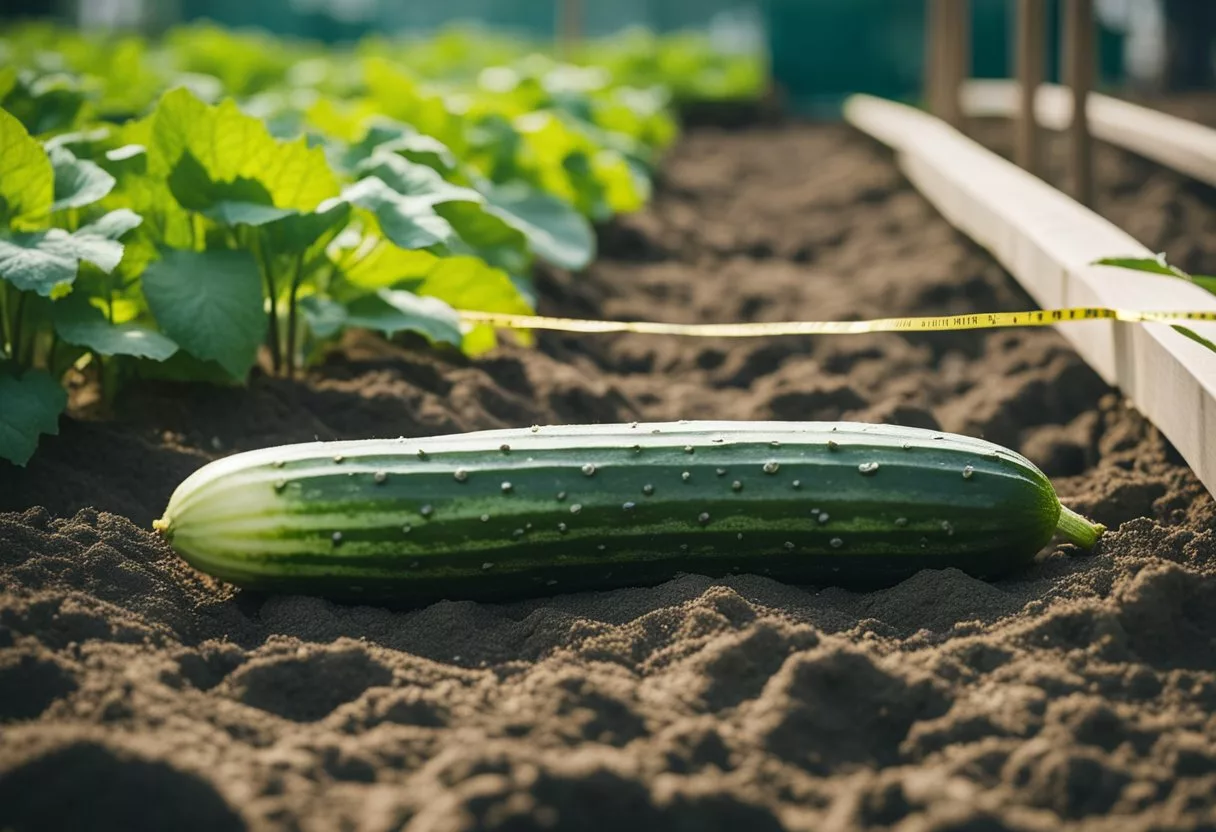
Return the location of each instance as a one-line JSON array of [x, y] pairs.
[[1049, 242], [1079, 61], [1177, 143], [1031, 52]]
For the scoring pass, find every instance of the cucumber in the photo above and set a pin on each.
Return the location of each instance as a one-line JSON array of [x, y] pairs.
[[509, 513]]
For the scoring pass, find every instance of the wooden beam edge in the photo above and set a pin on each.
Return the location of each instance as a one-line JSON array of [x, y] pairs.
[[1049, 242]]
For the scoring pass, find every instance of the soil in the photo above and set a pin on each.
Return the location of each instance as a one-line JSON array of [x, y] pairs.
[[136, 694]]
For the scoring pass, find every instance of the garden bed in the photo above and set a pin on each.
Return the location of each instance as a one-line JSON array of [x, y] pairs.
[[142, 694]]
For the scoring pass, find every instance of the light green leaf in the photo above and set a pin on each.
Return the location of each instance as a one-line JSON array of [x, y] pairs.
[[486, 235], [46, 260], [400, 139], [384, 264], [410, 179], [29, 407], [389, 312], [210, 303], [555, 231], [240, 201], [79, 322], [27, 182], [409, 221], [78, 182], [231, 145], [113, 225], [1153, 265], [470, 283]]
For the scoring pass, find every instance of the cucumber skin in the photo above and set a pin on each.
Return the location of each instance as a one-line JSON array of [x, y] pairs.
[[267, 519]]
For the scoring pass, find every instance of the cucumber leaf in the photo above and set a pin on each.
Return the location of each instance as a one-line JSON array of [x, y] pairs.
[[80, 323], [78, 182], [387, 311], [230, 145], [555, 231], [409, 221], [45, 261], [239, 201], [299, 233], [210, 303], [32, 406], [27, 181]]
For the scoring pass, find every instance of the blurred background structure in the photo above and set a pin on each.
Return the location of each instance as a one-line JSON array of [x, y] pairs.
[[818, 50]]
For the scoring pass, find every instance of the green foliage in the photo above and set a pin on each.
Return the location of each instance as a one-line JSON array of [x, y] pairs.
[[32, 404], [209, 302], [177, 209], [1158, 265]]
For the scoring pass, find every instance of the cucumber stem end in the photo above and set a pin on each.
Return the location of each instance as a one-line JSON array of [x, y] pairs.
[[1076, 529]]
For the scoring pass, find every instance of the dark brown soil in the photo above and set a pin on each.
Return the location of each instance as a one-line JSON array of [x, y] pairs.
[[136, 694]]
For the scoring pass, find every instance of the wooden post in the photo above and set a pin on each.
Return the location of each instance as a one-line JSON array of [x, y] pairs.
[[569, 27], [959, 46], [1031, 51], [947, 57], [1079, 62], [933, 45]]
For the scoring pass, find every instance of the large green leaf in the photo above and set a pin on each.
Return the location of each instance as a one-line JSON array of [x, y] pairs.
[[387, 311], [79, 322], [555, 231], [231, 145], [400, 139], [311, 232], [210, 303], [78, 182], [382, 264], [484, 234], [46, 260], [479, 229], [411, 179], [29, 407], [47, 103], [470, 283], [239, 201], [409, 221], [27, 182]]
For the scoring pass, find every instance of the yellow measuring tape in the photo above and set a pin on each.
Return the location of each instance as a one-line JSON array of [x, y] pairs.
[[940, 323]]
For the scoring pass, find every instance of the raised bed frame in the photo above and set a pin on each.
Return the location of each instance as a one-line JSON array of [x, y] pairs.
[[1049, 242]]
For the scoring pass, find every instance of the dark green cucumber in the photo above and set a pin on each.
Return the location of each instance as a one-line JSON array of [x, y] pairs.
[[517, 512]]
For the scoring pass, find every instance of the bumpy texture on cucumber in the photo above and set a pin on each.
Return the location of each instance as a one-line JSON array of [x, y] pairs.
[[508, 513]]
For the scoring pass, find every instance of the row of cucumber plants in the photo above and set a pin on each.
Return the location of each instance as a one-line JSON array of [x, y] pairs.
[[186, 208]]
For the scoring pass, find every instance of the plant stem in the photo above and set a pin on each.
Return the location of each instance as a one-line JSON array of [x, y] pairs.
[[18, 315], [1076, 529], [296, 279], [272, 336], [6, 341]]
